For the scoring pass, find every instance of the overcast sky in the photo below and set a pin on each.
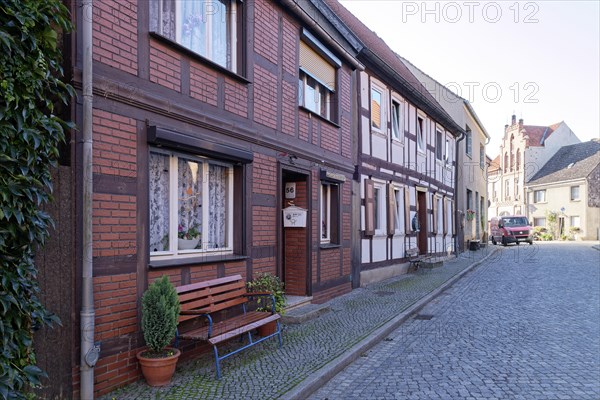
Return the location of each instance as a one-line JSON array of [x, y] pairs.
[[537, 59]]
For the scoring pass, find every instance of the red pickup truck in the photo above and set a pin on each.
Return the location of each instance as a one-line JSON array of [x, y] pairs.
[[511, 229]]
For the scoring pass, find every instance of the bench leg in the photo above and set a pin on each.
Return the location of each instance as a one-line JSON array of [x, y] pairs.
[[217, 359], [279, 334]]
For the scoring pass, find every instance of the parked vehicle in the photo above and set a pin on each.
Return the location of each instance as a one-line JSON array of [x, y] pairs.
[[511, 229]]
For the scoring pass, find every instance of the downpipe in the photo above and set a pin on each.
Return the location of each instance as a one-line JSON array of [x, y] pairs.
[[89, 352]]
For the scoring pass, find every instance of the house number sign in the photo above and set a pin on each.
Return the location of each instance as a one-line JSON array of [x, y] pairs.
[[290, 190]]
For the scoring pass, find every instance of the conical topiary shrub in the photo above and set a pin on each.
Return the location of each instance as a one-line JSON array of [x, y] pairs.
[[160, 312]]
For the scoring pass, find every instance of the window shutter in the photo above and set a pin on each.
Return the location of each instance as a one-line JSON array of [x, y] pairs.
[[316, 66], [369, 207], [391, 210], [445, 215], [406, 209]]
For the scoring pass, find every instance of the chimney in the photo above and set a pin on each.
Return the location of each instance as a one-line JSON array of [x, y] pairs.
[[520, 124], [506, 128], [514, 119]]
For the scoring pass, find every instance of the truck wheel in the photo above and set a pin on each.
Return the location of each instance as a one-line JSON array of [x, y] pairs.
[[494, 241], [530, 242], [518, 242], [504, 243]]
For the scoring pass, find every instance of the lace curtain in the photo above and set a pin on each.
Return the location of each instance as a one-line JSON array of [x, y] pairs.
[[203, 28], [189, 196], [218, 189], [159, 202]]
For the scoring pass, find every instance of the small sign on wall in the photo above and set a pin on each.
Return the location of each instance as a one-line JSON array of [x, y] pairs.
[[294, 217], [290, 190]]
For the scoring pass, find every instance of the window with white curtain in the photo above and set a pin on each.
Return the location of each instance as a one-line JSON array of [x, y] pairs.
[[191, 204], [206, 27], [330, 213]]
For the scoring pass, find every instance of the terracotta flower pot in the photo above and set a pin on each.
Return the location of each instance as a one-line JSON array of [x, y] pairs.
[[158, 371]]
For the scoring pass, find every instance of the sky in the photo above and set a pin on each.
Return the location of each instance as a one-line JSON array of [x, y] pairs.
[[539, 60]]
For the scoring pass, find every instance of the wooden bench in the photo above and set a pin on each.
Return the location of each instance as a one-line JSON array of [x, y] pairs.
[[215, 311], [414, 258]]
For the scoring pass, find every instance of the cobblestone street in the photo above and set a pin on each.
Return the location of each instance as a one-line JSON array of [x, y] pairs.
[[523, 325]]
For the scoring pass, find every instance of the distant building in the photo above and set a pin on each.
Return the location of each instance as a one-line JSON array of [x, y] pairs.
[[524, 150], [406, 161], [569, 186], [471, 180]]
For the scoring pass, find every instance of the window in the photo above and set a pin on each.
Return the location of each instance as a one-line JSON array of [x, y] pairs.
[[439, 145], [208, 28], [397, 124], [329, 213], [576, 221], [191, 204], [317, 80], [398, 212], [505, 162], [376, 109], [539, 222], [468, 142], [539, 196], [506, 189], [481, 156], [379, 209], [395, 210], [518, 159], [469, 200], [420, 135], [447, 151], [314, 96], [574, 193]]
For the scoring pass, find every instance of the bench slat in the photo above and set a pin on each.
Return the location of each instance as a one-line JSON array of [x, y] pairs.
[[231, 324], [243, 329], [212, 282]]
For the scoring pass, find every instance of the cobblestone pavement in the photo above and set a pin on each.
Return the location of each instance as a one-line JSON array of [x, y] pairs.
[[523, 325], [267, 372]]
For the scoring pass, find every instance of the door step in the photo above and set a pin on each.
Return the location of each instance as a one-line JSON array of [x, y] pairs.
[[301, 309]]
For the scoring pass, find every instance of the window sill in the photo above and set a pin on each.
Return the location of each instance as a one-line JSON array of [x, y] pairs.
[[182, 262], [575, 200], [326, 246], [312, 113], [375, 131], [197, 57]]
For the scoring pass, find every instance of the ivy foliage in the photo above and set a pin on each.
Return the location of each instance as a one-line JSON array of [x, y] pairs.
[[160, 312], [30, 87]]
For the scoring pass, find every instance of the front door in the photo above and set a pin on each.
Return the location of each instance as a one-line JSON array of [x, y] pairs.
[[295, 249], [422, 215]]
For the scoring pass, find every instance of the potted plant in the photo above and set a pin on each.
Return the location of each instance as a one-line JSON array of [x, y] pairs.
[[160, 312], [188, 239], [268, 283]]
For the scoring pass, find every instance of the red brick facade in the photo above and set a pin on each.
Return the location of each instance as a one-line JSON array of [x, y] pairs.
[[252, 107]]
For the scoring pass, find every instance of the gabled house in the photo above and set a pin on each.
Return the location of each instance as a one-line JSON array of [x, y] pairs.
[[205, 122], [568, 186], [471, 185], [406, 161], [523, 152]]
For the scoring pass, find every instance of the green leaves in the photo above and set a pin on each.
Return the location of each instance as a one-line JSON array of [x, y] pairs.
[[30, 85]]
